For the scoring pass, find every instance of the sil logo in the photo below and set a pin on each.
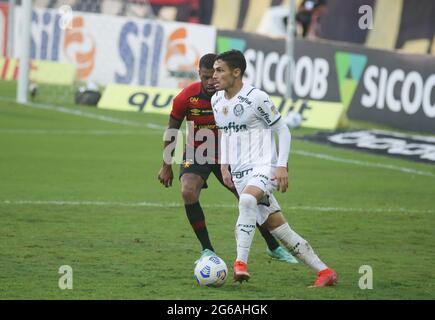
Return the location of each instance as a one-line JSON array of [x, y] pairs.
[[80, 48]]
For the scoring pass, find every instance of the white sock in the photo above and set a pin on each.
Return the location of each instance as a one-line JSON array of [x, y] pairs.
[[245, 226], [298, 247]]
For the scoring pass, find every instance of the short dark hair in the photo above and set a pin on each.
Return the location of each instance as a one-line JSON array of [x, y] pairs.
[[207, 61], [234, 59]]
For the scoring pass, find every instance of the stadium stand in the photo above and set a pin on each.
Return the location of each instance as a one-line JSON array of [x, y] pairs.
[[397, 24]]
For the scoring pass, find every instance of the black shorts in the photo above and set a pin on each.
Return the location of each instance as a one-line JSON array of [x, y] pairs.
[[202, 170]]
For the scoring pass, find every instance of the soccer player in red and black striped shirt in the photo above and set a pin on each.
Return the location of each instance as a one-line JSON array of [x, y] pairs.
[[193, 104]]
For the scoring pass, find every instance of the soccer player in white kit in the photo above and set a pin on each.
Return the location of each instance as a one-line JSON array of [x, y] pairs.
[[247, 121]]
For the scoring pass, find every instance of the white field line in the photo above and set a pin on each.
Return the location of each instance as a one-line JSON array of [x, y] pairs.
[[217, 205], [73, 132], [363, 163], [298, 152], [84, 114], [90, 115]]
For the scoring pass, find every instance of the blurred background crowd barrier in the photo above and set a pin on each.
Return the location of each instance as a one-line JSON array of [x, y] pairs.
[[367, 60]]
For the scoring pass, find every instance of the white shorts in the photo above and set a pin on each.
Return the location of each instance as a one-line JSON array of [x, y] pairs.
[[260, 178]]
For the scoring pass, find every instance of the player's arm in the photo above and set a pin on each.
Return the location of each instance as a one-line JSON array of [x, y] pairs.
[[268, 112], [284, 137], [226, 176], [223, 152], [166, 174], [224, 160]]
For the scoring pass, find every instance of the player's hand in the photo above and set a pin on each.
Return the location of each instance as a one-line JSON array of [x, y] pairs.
[[166, 175], [281, 178], [226, 176]]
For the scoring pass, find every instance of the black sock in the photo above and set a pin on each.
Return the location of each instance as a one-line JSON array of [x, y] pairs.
[[197, 220], [270, 240]]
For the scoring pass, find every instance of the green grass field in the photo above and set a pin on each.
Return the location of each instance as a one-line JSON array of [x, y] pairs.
[[78, 187]]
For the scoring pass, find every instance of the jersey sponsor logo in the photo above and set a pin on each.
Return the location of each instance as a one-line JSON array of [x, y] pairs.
[[233, 127], [194, 100], [238, 110], [244, 100], [205, 126], [260, 176], [241, 174], [265, 115], [200, 112]]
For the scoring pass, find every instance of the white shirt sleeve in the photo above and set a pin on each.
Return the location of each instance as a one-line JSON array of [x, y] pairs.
[[284, 137], [265, 109]]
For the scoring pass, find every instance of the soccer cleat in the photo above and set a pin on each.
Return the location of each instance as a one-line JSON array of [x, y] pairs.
[[205, 253], [240, 272], [281, 255], [326, 277]]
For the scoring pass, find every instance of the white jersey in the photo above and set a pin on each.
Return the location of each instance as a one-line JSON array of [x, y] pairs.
[[244, 122]]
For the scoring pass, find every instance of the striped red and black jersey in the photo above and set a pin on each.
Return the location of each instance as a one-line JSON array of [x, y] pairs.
[[194, 105]]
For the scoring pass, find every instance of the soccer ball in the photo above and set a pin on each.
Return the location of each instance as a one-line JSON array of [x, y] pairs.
[[293, 119], [211, 271]]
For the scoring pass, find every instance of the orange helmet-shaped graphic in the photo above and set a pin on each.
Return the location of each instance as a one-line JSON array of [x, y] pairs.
[[181, 58], [79, 48]]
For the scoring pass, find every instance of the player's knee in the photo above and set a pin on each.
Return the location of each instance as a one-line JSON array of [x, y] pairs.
[[274, 220], [190, 195], [247, 201]]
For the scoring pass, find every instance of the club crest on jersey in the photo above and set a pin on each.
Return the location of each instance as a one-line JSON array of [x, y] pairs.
[[187, 163], [238, 110]]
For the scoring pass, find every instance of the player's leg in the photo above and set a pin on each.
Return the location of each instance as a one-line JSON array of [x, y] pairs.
[[193, 179], [271, 242], [300, 248], [297, 245], [245, 229]]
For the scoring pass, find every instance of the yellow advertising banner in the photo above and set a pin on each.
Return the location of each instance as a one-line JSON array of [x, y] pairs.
[[46, 72], [316, 114], [136, 98]]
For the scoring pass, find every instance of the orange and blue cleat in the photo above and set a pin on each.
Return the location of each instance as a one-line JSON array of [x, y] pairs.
[[325, 278], [241, 272]]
